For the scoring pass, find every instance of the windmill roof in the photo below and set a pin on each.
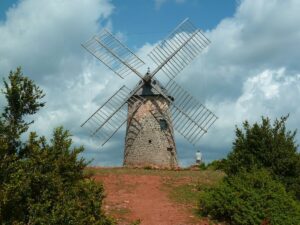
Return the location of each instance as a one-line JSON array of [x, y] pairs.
[[148, 90]]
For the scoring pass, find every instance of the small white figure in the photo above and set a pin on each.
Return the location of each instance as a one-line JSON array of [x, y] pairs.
[[198, 157]]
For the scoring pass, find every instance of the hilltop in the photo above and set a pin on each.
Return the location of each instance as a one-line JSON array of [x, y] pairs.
[[153, 197]]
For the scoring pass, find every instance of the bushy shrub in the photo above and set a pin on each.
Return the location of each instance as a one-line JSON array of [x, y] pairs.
[[250, 198], [47, 186], [41, 182], [267, 146], [217, 164]]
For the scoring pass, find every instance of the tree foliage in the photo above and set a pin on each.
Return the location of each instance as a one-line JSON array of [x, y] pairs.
[[41, 182], [23, 98], [217, 164], [267, 146], [251, 198], [263, 178]]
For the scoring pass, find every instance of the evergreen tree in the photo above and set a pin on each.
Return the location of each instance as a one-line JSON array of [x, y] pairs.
[[23, 99]]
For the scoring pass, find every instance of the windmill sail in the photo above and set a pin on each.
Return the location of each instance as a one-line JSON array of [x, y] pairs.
[[190, 118], [174, 53], [110, 117], [116, 56]]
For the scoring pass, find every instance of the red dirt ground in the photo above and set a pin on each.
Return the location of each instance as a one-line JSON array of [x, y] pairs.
[[138, 197]]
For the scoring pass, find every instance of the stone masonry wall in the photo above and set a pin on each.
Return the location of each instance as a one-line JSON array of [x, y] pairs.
[[146, 143]]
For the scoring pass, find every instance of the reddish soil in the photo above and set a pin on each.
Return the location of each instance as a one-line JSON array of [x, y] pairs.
[[131, 198]]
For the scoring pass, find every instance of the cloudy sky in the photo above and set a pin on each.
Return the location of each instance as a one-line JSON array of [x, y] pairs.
[[250, 69]]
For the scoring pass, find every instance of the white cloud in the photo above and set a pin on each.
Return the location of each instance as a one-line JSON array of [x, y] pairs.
[[45, 34], [270, 93]]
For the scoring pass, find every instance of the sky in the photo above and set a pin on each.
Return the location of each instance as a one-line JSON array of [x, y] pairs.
[[251, 68]]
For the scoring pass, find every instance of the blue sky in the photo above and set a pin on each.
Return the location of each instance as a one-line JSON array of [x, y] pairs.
[[250, 69], [143, 21], [4, 6]]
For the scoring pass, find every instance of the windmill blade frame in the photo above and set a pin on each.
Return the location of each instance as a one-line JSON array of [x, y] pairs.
[[176, 51], [190, 118], [115, 55], [111, 115]]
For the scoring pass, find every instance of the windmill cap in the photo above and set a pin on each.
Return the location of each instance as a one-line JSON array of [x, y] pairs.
[[148, 90]]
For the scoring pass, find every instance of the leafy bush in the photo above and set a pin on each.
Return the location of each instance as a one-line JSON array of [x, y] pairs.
[[217, 164], [270, 147], [262, 178], [41, 182], [250, 198], [202, 166]]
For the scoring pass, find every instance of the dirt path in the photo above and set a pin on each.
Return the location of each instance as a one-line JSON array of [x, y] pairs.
[[143, 198]]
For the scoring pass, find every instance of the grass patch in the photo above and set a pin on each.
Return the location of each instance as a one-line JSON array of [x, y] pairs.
[[207, 175], [119, 211], [187, 186], [185, 194]]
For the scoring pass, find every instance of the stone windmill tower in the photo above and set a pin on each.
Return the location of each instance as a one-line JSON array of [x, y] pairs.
[[153, 109], [149, 135]]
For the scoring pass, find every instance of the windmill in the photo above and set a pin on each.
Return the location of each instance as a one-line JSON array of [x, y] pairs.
[[153, 108]]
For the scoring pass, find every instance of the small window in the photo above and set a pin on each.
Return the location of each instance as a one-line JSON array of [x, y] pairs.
[[163, 124], [170, 149]]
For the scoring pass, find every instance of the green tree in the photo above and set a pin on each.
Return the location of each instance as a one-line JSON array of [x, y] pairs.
[[250, 198], [23, 99], [41, 182], [267, 146]]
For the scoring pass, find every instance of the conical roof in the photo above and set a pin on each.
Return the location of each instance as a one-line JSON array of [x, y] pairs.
[[151, 88]]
